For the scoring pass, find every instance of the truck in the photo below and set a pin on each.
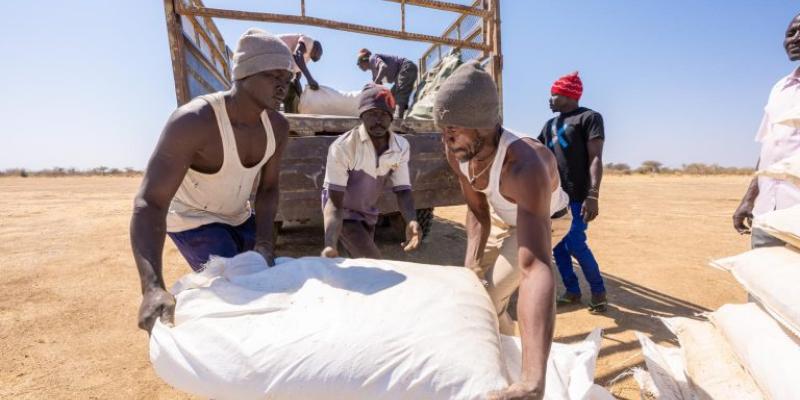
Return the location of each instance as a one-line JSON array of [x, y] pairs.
[[201, 63]]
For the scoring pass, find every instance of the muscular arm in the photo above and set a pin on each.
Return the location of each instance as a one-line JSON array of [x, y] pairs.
[[300, 60], [405, 202], [524, 181], [165, 171], [478, 224], [268, 192]]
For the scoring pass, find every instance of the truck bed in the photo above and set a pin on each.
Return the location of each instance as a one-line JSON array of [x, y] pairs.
[[316, 124]]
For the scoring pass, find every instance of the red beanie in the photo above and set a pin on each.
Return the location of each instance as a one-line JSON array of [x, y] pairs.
[[569, 85]]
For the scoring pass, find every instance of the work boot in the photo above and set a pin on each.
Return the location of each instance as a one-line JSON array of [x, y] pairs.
[[598, 304]]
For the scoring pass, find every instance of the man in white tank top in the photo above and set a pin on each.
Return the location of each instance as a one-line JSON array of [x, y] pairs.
[[508, 181], [212, 153]]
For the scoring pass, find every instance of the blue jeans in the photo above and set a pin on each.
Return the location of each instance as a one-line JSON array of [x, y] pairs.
[[574, 245], [199, 244]]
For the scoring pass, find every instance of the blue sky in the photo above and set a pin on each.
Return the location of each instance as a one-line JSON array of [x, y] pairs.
[[89, 83]]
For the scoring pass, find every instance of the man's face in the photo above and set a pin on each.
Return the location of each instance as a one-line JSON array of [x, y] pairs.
[[559, 102], [376, 122], [363, 65], [463, 143], [268, 88], [792, 41]]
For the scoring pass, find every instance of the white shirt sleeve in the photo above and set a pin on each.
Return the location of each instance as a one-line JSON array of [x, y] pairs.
[[336, 169], [400, 176]]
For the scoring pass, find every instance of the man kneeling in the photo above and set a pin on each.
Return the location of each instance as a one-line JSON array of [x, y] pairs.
[[359, 164]]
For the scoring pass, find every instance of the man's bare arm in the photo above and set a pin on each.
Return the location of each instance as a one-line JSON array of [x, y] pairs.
[[268, 192], [527, 182], [165, 171], [478, 223], [743, 216], [333, 215], [300, 60], [591, 207]]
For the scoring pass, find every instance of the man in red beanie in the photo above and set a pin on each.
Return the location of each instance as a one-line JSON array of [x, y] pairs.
[[360, 163], [576, 138]]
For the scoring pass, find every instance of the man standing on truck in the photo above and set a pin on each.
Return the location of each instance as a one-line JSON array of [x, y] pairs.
[[391, 69], [212, 153], [360, 163], [576, 137], [304, 49], [508, 180], [778, 142]]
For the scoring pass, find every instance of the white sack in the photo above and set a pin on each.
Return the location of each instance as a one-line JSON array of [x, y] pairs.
[[328, 101], [666, 368], [771, 355], [570, 368], [315, 328], [770, 275], [782, 224], [712, 369], [787, 170]]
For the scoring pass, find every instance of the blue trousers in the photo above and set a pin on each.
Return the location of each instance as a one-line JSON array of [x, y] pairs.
[[199, 244], [574, 245]]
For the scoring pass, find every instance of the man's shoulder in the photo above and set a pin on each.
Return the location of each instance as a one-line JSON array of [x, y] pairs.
[[401, 141], [346, 143], [586, 112], [196, 115], [279, 122]]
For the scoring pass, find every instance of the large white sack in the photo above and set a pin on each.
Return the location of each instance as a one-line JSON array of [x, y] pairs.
[[787, 170], [770, 275], [315, 328], [770, 354], [328, 101], [782, 224], [570, 368], [666, 369], [712, 369]]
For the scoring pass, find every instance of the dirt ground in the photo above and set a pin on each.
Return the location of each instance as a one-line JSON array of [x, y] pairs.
[[70, 291]]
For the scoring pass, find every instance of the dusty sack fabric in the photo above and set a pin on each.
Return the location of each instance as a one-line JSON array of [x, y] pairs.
[[666, 371], [770, 275], [770, 354], [710, 364], [429, 86], [787, 170], [782, 224], [314, 328], [329, 101]]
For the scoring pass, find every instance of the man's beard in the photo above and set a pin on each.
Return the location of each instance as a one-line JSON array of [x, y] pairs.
[[468, 153]]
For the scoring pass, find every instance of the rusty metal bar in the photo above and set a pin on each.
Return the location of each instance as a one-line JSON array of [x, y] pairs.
[[497, 66], [446, 6], [303, 7], [175, 36], [216, 52], [325, 23], [403, 15]]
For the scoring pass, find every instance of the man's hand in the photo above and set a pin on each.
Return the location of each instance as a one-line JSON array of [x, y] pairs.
[[156, 303], [519, 391], [590, 210], [329, 252], [313, 85], [743, 218], [267, 253], [413, 236]]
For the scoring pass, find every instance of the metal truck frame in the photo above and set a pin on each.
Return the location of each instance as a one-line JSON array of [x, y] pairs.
[[201, 64]]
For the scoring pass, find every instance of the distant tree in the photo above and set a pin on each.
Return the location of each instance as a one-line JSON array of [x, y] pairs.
[[650, 167]]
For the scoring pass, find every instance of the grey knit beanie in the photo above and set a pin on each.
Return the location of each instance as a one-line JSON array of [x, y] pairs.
[[259, 51], [467, 99]]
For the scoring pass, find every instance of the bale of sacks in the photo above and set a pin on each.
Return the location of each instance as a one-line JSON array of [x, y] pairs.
[[770, 275], [314, 328], [328, 101], [429, 86], [787, 170], [782, 224]]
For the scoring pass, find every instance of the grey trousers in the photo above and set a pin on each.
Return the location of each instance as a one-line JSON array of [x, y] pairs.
[[759, 238]]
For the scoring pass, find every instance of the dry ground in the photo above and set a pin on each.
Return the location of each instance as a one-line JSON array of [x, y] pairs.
[[70, 290]]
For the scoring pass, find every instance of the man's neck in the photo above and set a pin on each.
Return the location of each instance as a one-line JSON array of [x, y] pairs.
[[569, 109], [489, 147], [241, 108], [381, 143]]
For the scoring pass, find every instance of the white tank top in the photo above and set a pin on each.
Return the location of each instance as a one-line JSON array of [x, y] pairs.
[[223, 196], [503, 209]]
